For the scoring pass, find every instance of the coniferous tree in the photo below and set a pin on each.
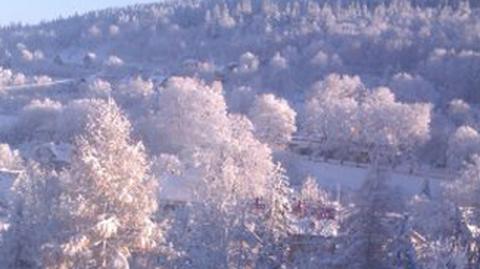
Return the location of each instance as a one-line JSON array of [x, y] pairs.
[[372, 230], [108, 200], [465, 192], [33, 222], [276, 225]]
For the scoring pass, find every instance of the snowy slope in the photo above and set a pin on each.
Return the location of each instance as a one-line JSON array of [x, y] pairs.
[[6, 121], [346, 176], [334, 176]]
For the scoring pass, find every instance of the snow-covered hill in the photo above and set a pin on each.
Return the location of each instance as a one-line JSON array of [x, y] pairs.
[[243, 134]]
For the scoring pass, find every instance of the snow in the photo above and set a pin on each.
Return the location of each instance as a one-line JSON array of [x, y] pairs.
[[7, 177], [62, 151], [7, 122], [221, 88], [37, 85], [329, 175], [179, 189], [350, 176]]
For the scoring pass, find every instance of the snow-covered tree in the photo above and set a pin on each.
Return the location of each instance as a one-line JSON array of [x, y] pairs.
[[461, 113], [453, 71], [89, 59], [226, 169], [231, 181], [444, 219], [443, 254], [412, 89], [10, 78], [273, 119], [423, 50], [394, 126], [245, 7], [32, 218], [317, 219], [135, 89], [190, 114], [465, 187], [373, 230], [37, 120], [240, 99], [276, 224], [442, 237], [109, 198], [462, 145], [220, 15], [113, 61], [113, 30], [9, 158], [278, 61], [310, 190], [249, 63], [331, 110], [344, 116], [10, 165], [464, 191], [42, 80], [73, 118], [96, 88], [94, 31]]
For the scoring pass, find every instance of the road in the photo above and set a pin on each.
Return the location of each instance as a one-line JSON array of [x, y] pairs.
[[38, 85]]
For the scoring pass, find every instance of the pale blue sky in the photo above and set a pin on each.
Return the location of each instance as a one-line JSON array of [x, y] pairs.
[[34, 11]]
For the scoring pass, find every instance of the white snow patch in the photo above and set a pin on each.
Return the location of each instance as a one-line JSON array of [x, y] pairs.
[[351, 178]]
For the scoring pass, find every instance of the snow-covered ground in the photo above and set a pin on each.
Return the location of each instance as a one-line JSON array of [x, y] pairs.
[[333, 175], [336, 175], [6, 122], [208, 100]]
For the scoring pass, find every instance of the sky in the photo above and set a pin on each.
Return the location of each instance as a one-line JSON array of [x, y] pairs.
[[34, 11]]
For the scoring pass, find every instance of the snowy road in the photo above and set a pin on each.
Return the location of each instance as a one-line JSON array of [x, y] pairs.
[[38, 85], [14, 98]]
